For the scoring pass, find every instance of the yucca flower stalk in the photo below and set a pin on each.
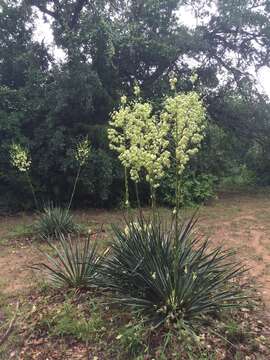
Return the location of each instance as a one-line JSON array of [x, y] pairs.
[[82, 153], [140, 138], [185, 114], [20, 159]]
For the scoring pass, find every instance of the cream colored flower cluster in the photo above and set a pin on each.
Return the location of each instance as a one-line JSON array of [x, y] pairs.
[[134, 224], [20, 158], [82, 151], [140, 140], [186, 115]]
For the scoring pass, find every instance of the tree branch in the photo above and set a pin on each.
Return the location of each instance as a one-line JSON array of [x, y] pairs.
[[76, 12], [44, 9]]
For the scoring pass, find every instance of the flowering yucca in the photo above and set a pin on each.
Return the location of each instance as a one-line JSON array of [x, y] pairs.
[[186, 115], [173, 82], [140, 140], [82, 151], [164, 271], [20, 158]]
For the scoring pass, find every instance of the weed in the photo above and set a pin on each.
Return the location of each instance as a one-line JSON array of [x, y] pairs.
[[131, 338]]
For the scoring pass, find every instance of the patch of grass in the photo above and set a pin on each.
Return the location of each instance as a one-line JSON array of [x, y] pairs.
[[17, 231], [21, 230], [13, 341], [234, 332], [131, 338], [70, 320]]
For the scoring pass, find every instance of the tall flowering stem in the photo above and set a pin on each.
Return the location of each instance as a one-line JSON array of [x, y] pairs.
[[139, 137], [186, 115], [82, 153], [20, 159], [147, 143], [127, 204]]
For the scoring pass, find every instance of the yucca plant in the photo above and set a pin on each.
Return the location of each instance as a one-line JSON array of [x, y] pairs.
[[170, 278], [75, 264], [53, 222]]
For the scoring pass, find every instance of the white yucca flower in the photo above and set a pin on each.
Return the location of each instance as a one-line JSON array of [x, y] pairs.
[[20, 158]]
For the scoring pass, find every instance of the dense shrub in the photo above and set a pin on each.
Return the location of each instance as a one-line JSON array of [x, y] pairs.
[[169, 274], [194, 189]]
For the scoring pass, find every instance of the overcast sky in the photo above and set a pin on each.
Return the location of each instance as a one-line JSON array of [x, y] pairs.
[[43, 32]]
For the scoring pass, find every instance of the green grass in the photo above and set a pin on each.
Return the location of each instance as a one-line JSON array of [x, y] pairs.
[[7, 311], [16, 231], [70, 320]]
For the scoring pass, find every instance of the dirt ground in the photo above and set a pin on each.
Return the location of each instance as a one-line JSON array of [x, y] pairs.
[[238, 221], [234, 220]]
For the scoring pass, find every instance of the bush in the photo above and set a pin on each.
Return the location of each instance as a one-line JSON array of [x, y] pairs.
[[75, 266], [194, 189], [55, 222], [239, 177], [169, 274]]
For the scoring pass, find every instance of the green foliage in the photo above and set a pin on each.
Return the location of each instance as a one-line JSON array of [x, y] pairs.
[[48, 105], [100, 180], [131, 338], [234, 332], [54, 222], [194, 189], [239, 177], [169, 274], [69, 320], [76, 263]]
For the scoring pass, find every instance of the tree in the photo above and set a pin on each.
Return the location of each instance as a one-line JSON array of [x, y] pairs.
[[142, 41], [110, 45]]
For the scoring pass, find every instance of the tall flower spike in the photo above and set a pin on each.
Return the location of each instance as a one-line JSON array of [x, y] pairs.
[[137, 90], [82, 151], [20, 158], [140, 141], [194, 78], [186, 115], [173, 82]]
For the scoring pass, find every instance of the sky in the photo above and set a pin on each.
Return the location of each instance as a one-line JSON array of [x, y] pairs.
[[43, 32]]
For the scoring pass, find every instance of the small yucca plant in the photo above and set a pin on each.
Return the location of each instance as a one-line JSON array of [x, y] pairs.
[[170, 278], [75, 264], [54, 222]]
